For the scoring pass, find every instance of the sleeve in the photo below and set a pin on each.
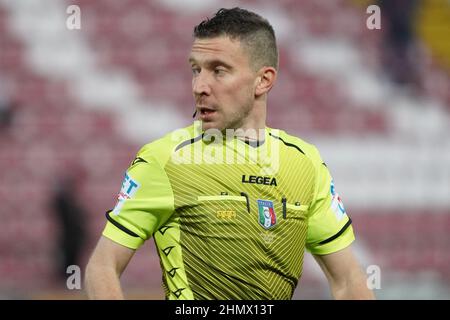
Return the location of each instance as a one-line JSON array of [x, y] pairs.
[[329, 226], [144, 203]]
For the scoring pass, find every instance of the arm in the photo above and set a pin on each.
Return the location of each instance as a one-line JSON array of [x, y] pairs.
[[344, 275], [104, 268]]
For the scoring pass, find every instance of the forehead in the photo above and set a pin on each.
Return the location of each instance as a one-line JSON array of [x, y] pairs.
[[218, 48]]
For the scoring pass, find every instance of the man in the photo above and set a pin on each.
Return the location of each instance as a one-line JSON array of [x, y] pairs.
[[231, 204]]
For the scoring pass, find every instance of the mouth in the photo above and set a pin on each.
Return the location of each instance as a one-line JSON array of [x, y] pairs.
[[206, 112]]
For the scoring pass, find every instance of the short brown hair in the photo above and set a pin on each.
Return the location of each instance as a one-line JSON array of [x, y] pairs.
[[251, 29]]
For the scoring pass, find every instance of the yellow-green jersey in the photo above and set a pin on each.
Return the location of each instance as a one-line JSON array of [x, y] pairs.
[[230, 218]]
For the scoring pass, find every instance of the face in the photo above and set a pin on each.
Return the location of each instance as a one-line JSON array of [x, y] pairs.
[[223, 83]]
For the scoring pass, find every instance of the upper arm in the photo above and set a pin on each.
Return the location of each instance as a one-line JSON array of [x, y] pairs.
[[337, 266], [329, 226], [145, 202], [110, 254], [344, 274]]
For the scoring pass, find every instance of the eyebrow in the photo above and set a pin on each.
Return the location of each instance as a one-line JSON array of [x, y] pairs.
[[212, 62]]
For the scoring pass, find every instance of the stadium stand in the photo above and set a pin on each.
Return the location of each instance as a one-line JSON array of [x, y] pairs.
[[337, 99]]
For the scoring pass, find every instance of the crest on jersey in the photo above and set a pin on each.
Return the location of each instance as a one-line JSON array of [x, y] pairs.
[[336, 202], [267, 217]]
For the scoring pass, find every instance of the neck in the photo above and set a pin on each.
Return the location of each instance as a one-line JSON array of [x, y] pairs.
[[250, 134], [252, 127]]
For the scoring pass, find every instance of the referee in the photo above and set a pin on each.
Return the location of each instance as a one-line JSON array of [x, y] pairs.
[[230, 203]]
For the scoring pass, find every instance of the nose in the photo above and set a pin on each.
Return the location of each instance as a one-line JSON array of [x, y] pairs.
[[200, 85]]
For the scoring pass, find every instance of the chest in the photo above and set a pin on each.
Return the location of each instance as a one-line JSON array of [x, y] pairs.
[[240, 203]]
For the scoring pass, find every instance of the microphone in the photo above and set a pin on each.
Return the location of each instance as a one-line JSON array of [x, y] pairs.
[[195, 113]]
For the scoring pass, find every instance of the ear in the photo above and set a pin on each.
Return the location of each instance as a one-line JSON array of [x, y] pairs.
[[265, 80]]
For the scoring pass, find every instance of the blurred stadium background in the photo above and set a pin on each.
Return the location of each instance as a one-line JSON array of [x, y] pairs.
[[75, 106]]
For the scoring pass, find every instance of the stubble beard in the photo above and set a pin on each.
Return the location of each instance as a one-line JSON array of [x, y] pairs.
[[236, 120]]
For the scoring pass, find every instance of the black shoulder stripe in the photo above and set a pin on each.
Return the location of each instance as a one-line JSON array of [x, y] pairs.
[[118, 225], [137, 160], [324, 164], [188, 142], [349, 222], [287, 143]]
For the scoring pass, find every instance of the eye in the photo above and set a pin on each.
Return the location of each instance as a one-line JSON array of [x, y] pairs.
[[195, 70], [219, 71]]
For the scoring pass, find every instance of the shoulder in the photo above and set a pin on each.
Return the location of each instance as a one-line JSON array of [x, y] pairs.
[[162, 148], [309, 150]]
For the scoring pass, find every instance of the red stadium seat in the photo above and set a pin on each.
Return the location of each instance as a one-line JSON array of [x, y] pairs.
[[53, 130]]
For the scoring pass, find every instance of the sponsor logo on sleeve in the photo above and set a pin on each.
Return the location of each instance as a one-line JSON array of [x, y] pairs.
[[128, 189], [336, 202]]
